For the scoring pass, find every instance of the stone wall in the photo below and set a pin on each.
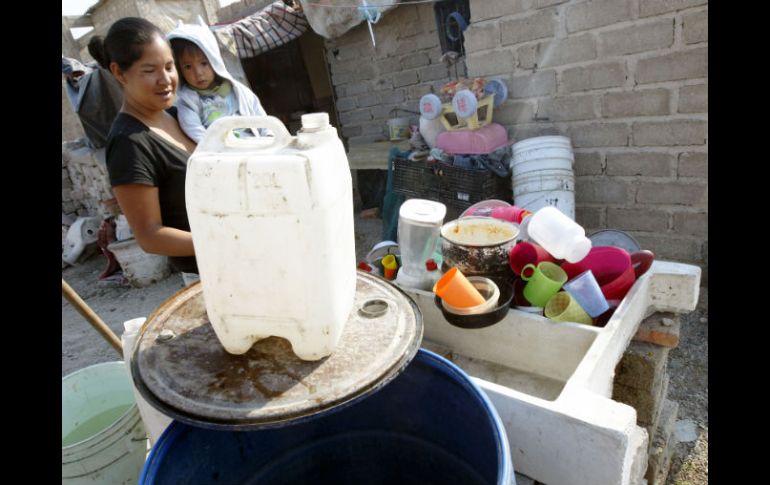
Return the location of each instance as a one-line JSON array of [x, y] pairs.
[[85, 188]]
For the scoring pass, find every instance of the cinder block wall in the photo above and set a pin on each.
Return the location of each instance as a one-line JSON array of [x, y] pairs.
[[627, 81], [370, 81]]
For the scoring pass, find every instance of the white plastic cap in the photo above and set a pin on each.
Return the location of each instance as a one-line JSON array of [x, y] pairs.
[[315, 121], [423, 211], [578, 250]]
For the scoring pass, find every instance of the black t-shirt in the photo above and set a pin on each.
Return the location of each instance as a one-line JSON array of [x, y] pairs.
[[136, 155]]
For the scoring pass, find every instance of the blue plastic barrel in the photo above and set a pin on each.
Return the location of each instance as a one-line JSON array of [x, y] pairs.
[[430, 426]]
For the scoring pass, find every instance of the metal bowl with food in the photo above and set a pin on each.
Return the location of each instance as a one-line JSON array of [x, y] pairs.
[[478, 246]]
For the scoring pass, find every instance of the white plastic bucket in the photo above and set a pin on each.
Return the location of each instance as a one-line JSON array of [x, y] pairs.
[[140, 268], [103, 438], [539, 189], [398, 129], [541, 153]]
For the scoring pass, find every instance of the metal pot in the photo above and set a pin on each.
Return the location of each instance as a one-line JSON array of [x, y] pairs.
[[478, 246]]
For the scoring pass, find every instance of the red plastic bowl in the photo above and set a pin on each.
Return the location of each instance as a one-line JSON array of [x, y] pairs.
[[614, 269]]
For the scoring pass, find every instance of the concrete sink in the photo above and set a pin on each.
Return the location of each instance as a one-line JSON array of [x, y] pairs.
[[552, 382]]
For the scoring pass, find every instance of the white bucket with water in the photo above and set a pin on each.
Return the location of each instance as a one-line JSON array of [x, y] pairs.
[[542, 174], [103, 438], [542, 153]]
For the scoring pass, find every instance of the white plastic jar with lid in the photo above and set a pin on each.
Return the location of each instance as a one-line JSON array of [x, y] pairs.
[[558, 234]]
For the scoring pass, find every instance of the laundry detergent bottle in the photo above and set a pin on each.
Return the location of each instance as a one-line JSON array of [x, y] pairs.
[[272, 225]]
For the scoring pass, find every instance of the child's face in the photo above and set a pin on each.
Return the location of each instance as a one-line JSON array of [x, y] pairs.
[[196, 69]]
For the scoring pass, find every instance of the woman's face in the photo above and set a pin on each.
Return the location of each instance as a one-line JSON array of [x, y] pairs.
[[150, 83]]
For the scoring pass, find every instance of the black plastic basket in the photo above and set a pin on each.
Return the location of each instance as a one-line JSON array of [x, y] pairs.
[[456, 187]]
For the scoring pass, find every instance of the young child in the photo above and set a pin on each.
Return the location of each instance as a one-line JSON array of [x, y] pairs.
[[207, 90]]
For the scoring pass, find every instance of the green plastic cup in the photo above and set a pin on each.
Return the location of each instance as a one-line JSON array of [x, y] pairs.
[[563, 308], [545, 281]]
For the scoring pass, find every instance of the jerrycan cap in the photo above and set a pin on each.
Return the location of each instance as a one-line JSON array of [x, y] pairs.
[[423, 211], [315, 121], [180, 367]]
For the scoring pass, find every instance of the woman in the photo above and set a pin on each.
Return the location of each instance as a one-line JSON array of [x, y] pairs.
[[147, 151]]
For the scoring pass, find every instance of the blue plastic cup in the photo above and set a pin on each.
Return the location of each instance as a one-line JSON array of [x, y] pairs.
[[587, 293]]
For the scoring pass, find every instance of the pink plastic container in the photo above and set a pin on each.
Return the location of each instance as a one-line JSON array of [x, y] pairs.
[[526, 253], [615, 270], [473, 142]]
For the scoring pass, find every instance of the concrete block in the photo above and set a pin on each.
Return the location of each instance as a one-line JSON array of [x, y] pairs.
[[589, 217], [567, 108], [391, 97], [484, 9], [514, 112], [355, 116], [418, 91], [489, 63], [637, 38], [639, 443], [354, 89], [671, 193], [601, 190], [599, 135], [523, 479], [346, 104], [375, 128], [646, 164], [566, 51], [588, 163], [637, 219], [695, 27], [647, 402], [663, 445], [479, 37], [366, 100], [595, 76], [693, 224], [418, 59], [647, 102], [653, 330], [670, 133], [676, 66], [597, 13], [641, 367], [405, 78], [527, 56], [351, 130], [434, 72], [539, 84], [648, 8], [408, 29], [694, 99], [672, 248], [693, 164], [538, 25]]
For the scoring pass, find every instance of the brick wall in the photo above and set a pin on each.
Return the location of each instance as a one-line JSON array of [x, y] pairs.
[[627, 81], [370, 81]]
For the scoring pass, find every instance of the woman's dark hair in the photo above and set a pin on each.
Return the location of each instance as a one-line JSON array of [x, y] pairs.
[[96, 49], [125, 42]]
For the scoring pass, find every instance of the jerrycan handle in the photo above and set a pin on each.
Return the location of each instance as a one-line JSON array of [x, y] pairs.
[[221, 133]]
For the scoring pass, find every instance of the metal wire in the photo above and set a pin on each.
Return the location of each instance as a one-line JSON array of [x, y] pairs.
[[415, 2]]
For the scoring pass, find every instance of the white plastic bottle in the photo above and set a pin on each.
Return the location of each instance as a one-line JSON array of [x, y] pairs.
[[558, 234], [272, 226]]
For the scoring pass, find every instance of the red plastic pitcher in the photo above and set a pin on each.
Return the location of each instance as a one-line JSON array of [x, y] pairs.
[[615, 270]]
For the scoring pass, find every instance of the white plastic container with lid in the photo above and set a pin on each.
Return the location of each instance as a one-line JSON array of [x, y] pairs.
[[272, 226], [419, 227], [558, 234]]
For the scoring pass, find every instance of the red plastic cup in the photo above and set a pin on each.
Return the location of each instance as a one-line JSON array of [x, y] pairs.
[[525, 253]]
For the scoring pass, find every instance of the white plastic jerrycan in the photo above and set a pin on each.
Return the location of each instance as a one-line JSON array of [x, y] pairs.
[[272, 225]]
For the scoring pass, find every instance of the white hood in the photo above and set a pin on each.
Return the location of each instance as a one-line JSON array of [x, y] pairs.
[[200, 34]]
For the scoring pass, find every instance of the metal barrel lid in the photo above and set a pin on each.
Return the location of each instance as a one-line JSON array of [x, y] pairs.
[[180, 367]]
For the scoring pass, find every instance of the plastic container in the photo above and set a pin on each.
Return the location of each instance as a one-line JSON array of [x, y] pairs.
[[419, 227], [272, 225], [398, 129], [562, 237], [541, 153], [614, 269], [103, 438], [475, 142], [140, 268], [586, 291], [457, 290], [488, 290], [430, 425]]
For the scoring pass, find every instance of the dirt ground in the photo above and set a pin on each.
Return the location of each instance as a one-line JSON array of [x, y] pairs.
[[83, 346]]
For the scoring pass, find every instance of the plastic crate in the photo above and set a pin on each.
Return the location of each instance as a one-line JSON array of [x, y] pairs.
[[455, 187]]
